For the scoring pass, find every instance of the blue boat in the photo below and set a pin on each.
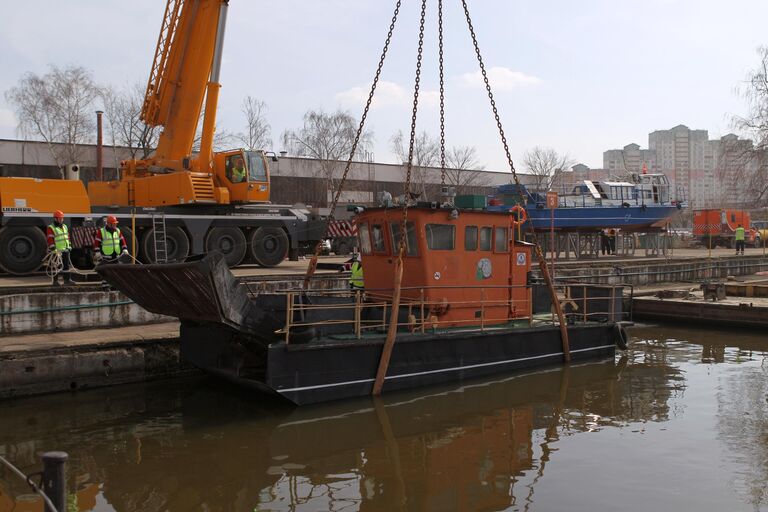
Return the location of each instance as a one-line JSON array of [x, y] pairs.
[[644, 204]]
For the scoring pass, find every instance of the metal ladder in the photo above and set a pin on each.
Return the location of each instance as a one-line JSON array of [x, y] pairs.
[[158, 232]]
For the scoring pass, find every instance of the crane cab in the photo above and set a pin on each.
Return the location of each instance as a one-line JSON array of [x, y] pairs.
[[245, 174]]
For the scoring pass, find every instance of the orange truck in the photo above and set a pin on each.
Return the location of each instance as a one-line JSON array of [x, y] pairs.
[[184, 200], [716, 226]]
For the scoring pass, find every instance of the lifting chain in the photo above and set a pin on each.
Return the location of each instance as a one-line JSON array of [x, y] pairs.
[[409, 167], [442, 90], [537, 248], [332, 214]]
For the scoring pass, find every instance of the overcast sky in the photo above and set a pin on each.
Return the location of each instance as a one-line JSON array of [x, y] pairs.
[[579, 76]]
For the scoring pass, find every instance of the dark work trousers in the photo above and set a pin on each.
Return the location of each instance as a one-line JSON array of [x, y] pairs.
[[739, 246]]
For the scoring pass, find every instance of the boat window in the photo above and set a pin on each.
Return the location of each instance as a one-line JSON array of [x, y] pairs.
[[470, 238], [410, 238], [377, 233], [502, 240], [365, 238], [485, 239], [441, 236]]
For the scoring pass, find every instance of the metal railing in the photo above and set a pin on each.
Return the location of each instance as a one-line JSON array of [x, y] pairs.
[[423, 314]]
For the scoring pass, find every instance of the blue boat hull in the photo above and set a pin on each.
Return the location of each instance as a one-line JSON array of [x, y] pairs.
[[632, 218]]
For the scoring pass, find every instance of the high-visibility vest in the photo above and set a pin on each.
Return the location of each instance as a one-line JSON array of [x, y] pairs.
[[110, 242], [61, 237], [238, 175], [356, 279], [740, 234]]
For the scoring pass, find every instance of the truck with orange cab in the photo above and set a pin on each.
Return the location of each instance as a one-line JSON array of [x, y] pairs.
[[715, 226]]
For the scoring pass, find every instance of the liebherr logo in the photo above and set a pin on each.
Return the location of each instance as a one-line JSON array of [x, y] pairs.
[[11, 209]]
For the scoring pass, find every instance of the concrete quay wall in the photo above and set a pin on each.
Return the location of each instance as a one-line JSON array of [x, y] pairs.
[[31, 370], [655, 271]]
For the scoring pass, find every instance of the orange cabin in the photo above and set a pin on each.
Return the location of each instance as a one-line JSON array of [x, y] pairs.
[[467, 267]]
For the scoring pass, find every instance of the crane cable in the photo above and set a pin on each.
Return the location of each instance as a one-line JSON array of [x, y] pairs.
[[537, 247], [332, 214]]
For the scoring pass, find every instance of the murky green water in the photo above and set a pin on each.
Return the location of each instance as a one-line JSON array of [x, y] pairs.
[[680, 423]]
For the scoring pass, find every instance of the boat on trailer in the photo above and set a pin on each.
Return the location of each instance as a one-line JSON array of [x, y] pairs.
[[644, 204], [466, 310]]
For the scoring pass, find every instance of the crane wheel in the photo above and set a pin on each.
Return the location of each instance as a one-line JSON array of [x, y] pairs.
[[229, 242], [176, 244], [268, 246], [22, 249]]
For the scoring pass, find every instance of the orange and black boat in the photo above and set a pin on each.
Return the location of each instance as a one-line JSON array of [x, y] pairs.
[[465, 310]]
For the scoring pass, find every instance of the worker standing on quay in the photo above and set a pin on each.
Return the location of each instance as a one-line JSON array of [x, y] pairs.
[[740, 235], [109, 243], [612, 241], [356, 275], [605, 245], [58, 241]]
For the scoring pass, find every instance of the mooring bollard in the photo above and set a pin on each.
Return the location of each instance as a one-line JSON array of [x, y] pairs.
[[54, 479]]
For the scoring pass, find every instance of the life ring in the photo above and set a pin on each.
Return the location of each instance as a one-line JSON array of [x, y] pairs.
[[620, 336], [522, 215]]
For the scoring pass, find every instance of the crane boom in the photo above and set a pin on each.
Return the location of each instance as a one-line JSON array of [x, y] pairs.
[[188, 49]]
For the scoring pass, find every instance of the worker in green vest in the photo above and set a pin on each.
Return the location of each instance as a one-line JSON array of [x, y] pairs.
[[109, 243], [740, 235], [356, 273], [238, 170], [58, 241]]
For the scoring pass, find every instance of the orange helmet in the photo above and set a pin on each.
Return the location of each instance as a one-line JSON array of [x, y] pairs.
[[58, 214], [111, 219]]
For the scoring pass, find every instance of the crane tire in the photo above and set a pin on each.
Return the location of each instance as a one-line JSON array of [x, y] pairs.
[[176, 242], [268, 246], [229, 242], [620, 336], [22, 249]]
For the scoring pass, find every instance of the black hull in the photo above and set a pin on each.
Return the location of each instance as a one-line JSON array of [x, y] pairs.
[[325, 371]]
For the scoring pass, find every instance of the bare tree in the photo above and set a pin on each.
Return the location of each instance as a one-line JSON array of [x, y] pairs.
[[257, 134], [755, 125], [122, 110], [328, 139], [545, 165], [57, 107], [463, 168], [426, 155]]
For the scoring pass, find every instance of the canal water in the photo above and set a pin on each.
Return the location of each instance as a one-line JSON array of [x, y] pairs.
[[679, 422]]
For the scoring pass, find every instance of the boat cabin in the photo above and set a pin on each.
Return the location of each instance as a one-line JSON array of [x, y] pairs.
[[464, 264]]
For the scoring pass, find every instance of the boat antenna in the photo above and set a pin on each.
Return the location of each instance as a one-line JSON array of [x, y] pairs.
[[312, 267], [539, 255]]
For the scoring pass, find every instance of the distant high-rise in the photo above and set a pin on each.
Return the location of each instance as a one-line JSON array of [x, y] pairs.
[[628, 160], [708, 173]]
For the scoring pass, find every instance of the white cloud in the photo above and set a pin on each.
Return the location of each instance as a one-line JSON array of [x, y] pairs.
[[388, 94], [501, 79]]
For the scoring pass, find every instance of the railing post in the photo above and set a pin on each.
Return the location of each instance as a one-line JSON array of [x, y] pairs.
[[482, 309], [423, 327], [585, 302], [357, 314], [288, 317], [55, 479]]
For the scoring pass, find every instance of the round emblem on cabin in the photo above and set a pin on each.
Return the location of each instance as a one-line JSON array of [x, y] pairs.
[[484, 269], [437, 276]]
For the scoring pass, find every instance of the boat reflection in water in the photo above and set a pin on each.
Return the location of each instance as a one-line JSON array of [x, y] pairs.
[[482, 446]]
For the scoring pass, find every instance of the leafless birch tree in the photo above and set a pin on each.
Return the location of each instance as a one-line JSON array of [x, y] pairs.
[[327, 139], [754, 124], [545, 165], [463, 170], [57, 107], [122, 110], [257, 133]]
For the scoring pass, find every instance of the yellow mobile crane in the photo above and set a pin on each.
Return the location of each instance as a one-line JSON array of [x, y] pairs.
[[181, 201]]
